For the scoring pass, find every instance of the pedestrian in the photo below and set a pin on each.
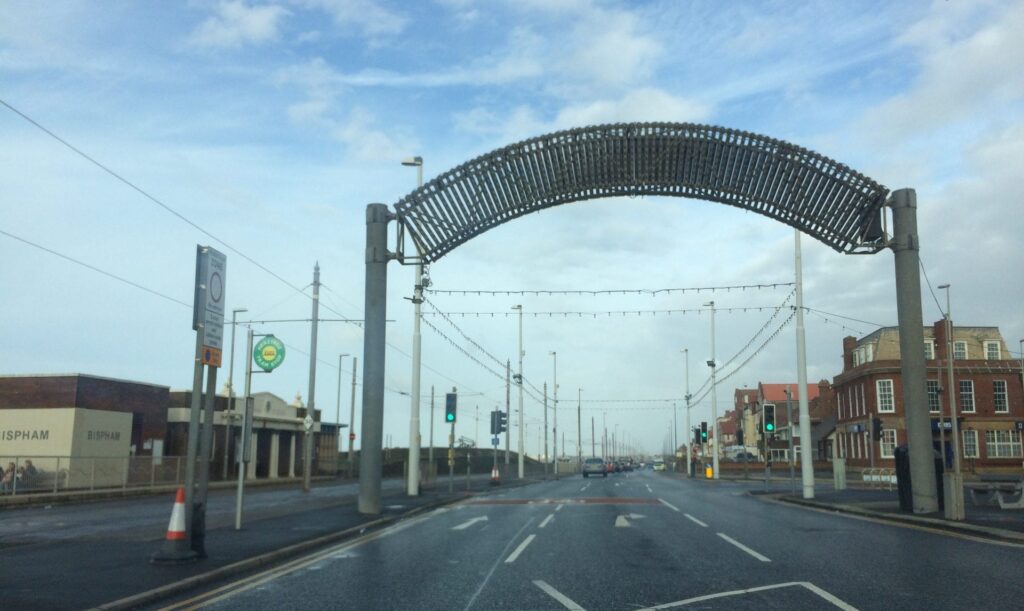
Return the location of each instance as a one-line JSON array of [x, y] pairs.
[[7, 478], [30, 475]]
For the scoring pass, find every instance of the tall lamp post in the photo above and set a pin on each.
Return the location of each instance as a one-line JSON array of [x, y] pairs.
[[554, 429], [231, 391], [337, 418], [413, 484], [954, 487]]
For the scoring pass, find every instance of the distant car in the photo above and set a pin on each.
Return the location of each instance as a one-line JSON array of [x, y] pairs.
[[594, 466], [659, 465]]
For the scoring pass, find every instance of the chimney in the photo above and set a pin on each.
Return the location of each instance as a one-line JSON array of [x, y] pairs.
[[849, 345]]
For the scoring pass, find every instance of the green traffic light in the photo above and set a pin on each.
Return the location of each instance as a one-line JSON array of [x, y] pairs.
[[769, 427], [450, 417]]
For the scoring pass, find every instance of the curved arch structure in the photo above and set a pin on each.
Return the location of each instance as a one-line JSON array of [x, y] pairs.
[[817, 195]]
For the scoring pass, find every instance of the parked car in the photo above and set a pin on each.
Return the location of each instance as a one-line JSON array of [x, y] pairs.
[[594, 466]]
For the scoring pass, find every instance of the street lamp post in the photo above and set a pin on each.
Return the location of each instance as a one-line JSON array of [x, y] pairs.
[[554, 429], [231, 392], [522, 441], [579, 427], [413, 484], [689, 431], [337, 419], [714, 399], [954, 507]]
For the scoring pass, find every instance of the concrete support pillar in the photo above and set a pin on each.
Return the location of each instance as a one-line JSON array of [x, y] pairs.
[[374, 336], [906, 247], [275, 448], [291, 456]]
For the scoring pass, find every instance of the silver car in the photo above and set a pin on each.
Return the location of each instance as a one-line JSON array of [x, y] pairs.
[[594, 466]]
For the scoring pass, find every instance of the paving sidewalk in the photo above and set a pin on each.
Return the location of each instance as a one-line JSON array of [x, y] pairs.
[[95, 568]]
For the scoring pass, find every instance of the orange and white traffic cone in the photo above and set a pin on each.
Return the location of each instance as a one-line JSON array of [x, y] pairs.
[[495, 476], [176, 548]]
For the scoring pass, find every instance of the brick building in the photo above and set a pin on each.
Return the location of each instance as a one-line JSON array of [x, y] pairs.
[[989, 398]]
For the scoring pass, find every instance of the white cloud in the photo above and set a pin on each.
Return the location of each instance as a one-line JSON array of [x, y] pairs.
[[369, 17], [646, 104], [962, 73], [236, 24], [607, 49]]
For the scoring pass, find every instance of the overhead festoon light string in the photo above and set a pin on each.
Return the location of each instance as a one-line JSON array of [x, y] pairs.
[[594, 292]]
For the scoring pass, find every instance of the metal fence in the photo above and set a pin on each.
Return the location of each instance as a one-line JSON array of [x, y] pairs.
[[880, 477], [53, 474]]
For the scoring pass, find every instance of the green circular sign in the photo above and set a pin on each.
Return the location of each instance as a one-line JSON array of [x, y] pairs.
[[268, 353]]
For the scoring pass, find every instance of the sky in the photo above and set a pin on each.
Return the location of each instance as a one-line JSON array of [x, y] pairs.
[[264, 129]]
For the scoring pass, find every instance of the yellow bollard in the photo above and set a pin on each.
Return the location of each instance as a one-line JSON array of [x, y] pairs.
[[708, 472]]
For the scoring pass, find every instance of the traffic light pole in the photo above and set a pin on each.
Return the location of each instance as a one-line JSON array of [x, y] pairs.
[[451, 459]]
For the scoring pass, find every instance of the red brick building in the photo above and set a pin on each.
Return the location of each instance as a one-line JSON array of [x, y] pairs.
[[988, 390]]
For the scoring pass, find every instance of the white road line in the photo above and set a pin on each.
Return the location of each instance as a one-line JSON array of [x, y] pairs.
[[550, 517], [744, 548], [827, 596], [469, 523], [648, 488], [519, 550], [559, 508], [483, 584], [621, 522], [567, 602], [695, 520], [669, 505], [804, 584]]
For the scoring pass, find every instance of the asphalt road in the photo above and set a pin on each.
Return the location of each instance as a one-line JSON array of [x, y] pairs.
[[633, 541]]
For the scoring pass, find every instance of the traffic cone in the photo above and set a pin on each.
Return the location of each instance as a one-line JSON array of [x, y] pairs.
[[176, 548], [495, 476]]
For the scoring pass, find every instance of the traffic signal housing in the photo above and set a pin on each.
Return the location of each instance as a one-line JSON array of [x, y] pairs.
[[769, 418], [499, 422], [450, 401], [703, 432], [876, 429]]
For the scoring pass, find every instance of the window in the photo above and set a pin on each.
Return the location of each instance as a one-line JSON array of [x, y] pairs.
[[887, 447], [970, 444], [992, 351], [999, 396], [933, 397], [869, 353], [1002, 444], [929, 349], [839, 405], [967, 396], [960, 350], [884, 396]]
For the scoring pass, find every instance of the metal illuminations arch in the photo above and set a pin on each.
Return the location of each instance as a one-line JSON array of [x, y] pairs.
[[817, 195], [812, 193]]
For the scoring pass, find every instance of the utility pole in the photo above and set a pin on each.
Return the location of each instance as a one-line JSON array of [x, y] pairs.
[[519, 381], [508, 406], [554, 431], [545, 430], [352, 422], [579, 428], [806, 443], [337, 420], [413, 483], [430, 450], [231, 393], [675, 438], [954, 486], [593, 438], [307, 454]]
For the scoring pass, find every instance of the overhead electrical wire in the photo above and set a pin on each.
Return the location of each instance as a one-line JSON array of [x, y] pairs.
[[608, 313]]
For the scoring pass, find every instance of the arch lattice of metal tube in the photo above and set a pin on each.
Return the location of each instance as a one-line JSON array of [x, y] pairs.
[[813, 193]]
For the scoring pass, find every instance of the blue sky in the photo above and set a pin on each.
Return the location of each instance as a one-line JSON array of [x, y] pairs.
[[272, 125]]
